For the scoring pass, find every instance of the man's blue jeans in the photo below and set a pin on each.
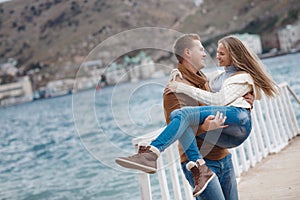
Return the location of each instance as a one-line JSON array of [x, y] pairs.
[[223, 186], [238, 119]]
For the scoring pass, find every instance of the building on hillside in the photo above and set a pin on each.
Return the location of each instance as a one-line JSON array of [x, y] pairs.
[[147, 69], [131, 70], [93, 67], [289, 37], [59, 87], [17, 92], [116, 74], [85, 83], [253, 41]]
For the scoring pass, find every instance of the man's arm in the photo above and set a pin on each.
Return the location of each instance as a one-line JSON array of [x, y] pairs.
[[212, 122], [172, 102]]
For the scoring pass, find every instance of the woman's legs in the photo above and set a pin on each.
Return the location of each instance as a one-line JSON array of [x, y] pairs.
[[238, 119], [178, 129]]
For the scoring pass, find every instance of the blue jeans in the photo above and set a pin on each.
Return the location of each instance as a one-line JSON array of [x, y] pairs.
[[223, 186], [238, 119]]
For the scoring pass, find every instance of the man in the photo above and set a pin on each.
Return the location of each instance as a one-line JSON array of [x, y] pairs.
[[190, 55]]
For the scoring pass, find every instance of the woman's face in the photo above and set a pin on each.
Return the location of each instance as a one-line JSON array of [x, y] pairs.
[[223, 56]]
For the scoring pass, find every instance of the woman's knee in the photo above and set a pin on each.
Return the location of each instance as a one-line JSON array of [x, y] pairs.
[[182, 112], [175, 113], [187, 113]]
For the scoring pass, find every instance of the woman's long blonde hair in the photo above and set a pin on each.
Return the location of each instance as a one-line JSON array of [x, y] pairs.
[[245, 60]]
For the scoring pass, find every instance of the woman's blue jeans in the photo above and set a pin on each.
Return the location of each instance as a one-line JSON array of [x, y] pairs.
[[182, 121]]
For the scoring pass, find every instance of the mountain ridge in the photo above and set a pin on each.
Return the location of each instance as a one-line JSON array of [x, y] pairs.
[[57, 35]]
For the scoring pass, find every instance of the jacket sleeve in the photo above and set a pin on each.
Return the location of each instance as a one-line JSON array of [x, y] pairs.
[[225, 96]]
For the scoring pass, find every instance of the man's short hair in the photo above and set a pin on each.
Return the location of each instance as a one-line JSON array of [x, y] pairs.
[[184, 41]]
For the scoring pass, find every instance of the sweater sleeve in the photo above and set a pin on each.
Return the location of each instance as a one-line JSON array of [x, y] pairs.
[[225, 96]]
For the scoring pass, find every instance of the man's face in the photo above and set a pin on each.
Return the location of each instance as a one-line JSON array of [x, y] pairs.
[[197, 55], [223, 56]]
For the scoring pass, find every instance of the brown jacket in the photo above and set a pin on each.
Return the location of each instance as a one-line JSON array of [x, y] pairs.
[[174, 101]]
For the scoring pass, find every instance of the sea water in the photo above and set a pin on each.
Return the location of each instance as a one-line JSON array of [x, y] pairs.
[[64, 148]]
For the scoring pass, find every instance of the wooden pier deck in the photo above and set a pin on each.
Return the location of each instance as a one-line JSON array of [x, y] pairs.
[[276, 177]]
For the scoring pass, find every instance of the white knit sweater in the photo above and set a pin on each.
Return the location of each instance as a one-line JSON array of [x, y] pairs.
[[231, 93]]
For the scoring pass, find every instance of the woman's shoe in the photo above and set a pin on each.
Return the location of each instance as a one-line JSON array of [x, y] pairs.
[[144, 160]]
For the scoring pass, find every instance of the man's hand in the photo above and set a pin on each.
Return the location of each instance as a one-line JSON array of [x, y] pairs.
[[214, 122], [249, 97]]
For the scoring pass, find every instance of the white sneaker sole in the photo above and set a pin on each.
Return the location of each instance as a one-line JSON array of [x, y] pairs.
[[132, 165]]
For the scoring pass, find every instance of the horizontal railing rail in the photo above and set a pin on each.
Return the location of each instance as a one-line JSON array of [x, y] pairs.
[[274, 125]]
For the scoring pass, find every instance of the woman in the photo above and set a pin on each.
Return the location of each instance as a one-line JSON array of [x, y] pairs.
[[243, 73]]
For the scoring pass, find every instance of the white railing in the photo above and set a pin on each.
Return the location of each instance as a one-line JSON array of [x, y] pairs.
[[274, 124]]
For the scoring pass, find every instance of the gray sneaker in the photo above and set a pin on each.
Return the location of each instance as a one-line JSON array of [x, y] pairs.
[[144, 160]]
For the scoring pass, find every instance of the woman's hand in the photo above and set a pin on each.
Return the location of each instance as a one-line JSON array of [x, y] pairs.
[[174, 74], [249, 97], [171, 87], [172, 84]]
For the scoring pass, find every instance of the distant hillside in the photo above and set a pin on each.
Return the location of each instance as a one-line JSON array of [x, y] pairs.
[[56, 32], [215, 19], [59, 30]]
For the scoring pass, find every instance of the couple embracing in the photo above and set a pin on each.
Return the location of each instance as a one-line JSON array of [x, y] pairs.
[[192, 99]]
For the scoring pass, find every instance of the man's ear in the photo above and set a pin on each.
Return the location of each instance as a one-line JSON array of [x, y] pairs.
[[187, 52]]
